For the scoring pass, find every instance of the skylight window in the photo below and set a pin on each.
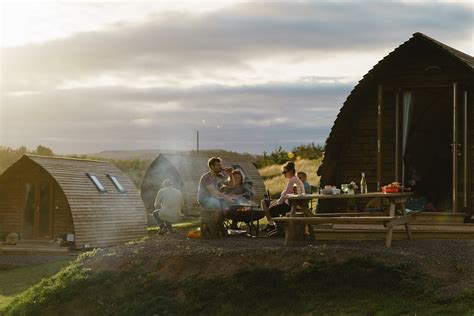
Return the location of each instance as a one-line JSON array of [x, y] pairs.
[[116, 182], [97, 183]]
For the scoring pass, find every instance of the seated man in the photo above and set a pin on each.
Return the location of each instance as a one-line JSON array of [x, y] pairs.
[[168, 205], [210, 185]]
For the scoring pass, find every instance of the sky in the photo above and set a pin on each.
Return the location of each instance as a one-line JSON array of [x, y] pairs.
[[82, 77]]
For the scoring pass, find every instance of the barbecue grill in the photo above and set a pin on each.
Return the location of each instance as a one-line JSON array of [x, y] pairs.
[[246, 214]]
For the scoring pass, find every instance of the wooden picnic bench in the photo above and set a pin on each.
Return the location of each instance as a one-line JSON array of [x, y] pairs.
[[390, 220]]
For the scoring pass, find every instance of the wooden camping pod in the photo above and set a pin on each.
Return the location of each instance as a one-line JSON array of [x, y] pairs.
[[441, 79], [62, 189], [185, 172]]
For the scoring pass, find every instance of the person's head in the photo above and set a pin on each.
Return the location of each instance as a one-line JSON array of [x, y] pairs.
[[289, 169], [238, 177], [302, 176], [215, 164], [166, 183]]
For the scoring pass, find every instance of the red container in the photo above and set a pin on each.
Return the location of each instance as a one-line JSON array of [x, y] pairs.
[[390, 189]]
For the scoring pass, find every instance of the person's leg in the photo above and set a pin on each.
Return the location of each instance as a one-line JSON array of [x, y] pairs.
[[276, 211], [169, 225], [157, 218], [265, 204], [160, 222]]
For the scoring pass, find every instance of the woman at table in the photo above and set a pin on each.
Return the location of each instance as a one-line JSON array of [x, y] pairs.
[[241, 193], [275, 208], [242, 190]]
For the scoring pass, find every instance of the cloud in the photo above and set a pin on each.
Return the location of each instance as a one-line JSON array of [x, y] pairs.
[[250, 118], [180, 45], [268, 74]]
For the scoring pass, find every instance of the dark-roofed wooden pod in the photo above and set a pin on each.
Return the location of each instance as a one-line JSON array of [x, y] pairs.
[[185, 172], [431, 70], [77, 206]]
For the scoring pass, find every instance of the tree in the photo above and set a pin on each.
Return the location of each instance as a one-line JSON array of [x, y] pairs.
[[43, 151]]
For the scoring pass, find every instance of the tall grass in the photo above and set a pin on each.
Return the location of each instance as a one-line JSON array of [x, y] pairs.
[[275, 182]]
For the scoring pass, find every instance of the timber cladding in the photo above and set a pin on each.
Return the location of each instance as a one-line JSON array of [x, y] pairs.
[[185, 172], [437, 75], [76, 205]]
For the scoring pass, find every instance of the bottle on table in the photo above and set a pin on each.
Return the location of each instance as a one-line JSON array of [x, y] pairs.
[[363, 184], [295, 189]]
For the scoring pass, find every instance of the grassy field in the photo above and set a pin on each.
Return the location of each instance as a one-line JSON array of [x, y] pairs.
[[16, 280], [276, 182]]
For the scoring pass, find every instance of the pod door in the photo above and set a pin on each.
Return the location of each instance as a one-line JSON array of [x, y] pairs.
[[37, 217]]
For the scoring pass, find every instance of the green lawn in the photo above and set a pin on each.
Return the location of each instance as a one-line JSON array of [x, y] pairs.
[[16, 280]]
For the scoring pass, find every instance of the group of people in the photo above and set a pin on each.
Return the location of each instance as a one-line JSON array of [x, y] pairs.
[[220, 187]]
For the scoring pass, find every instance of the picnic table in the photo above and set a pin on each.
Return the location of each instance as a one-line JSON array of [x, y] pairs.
[[389, 220]]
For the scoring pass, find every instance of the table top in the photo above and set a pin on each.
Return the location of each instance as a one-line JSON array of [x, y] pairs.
[[347, 196]]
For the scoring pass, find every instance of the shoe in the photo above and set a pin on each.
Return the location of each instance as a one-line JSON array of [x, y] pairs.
[[163, 230], [268, 228], [273, 232]]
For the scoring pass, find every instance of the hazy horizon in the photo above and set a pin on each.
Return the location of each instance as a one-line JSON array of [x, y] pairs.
[[250, 76]]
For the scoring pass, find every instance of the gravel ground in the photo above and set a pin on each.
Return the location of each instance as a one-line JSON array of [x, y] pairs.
[[175, 256], [450, 261]]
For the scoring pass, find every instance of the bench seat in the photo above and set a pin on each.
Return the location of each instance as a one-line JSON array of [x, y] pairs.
[[387, 221]]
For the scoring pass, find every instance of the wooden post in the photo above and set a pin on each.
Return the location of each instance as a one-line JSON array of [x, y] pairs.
[[466, 177], [379, 136], [397, 136], [212, 223], [455, 148]]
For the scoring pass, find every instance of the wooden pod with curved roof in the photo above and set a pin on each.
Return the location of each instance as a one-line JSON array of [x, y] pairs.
[[185, 172], [91, 203], [402, 120]]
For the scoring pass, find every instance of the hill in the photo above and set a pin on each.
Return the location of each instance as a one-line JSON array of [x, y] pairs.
[[147, 154], [172, 275]]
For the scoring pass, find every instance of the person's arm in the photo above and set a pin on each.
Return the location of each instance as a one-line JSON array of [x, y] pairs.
[[216, 193], [231, 182], [288, 190], [158, 199]]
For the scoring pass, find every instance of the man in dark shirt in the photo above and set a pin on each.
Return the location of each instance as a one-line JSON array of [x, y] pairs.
[[211, 183]]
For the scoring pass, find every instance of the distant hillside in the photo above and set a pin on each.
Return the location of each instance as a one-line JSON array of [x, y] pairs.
[[147, 154]]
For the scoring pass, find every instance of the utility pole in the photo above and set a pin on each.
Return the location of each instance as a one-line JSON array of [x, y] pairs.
[[197, 141]]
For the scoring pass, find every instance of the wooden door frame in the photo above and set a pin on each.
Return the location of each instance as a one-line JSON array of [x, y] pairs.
[[36, 218]]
